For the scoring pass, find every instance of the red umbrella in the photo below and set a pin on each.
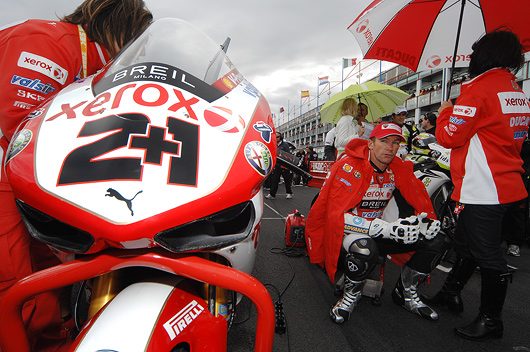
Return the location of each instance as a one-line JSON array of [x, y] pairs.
[[428, 34]]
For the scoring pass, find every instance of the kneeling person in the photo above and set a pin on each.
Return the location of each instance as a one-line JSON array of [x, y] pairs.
[[345, 222]]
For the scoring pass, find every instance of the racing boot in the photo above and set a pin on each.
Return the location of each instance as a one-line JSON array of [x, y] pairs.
[[405, 293], [344, 307], [488, 324], [449, 295]]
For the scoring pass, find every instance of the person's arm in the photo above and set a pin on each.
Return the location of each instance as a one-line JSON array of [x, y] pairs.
[[17, 100], [344, 132], [456, 124], [402, 230]]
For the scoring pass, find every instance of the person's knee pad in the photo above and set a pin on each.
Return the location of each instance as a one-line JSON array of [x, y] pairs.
[[361, 258]]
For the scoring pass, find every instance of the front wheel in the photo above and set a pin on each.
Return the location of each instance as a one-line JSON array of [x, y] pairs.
[[444, 208]]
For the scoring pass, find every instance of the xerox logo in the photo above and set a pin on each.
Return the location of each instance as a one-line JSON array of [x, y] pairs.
[[362, 26], [514, 103], [434, 61], [43, 65], [462, 110]]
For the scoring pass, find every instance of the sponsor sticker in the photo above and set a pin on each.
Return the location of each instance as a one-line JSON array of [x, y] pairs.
[[345, 182], [513, 102], [20, 142], [463, 110], [224, 119], [43, 65], [35, 84], [351, 228], [183, 319], [264, 129], [372, 214], [259, 157]]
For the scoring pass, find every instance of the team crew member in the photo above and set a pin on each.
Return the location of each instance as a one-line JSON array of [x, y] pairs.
[[485, 129], [38, 59], [409, 132], [344, 227]]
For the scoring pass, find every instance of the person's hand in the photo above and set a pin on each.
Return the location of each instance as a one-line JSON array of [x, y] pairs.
[[428, 228], [361, 130], [445, 104], [402, 230]]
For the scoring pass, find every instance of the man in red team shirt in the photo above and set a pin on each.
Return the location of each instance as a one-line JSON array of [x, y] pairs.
[[345, 228], [39, 58]]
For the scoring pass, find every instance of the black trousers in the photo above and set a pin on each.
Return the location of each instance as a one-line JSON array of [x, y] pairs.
[[275, 180], [479, 235]]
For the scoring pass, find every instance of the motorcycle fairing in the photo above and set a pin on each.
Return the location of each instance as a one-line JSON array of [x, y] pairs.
[[133, 157], [144, 155]]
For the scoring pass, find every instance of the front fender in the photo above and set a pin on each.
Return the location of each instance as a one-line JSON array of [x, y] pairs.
[[153, 316]]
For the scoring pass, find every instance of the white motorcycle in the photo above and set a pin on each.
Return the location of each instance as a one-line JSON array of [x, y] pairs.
[[431, 166]]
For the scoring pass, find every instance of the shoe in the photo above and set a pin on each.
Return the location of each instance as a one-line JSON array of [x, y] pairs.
[[341, 311], [482, 328], [289, 196], [514, 250], [405, 293], [268, 196]]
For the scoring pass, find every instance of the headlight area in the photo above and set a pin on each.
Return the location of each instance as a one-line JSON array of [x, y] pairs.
[[218, 230], [53, 232]]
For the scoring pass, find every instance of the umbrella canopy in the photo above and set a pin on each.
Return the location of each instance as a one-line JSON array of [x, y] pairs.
[[381, 99], [423, 34]]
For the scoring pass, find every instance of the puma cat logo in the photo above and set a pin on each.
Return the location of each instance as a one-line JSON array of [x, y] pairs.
[[113, 193]]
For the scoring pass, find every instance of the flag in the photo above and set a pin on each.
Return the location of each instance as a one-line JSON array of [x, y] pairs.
[[305, 94], [323, 80], [348, 62], [282, 109]]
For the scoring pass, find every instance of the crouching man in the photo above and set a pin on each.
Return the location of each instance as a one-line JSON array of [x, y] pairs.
[[344, 226]]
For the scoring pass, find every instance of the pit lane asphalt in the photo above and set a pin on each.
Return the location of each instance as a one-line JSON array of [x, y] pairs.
[[307, 296]]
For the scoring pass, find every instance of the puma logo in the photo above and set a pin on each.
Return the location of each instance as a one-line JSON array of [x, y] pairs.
[[113, 193]]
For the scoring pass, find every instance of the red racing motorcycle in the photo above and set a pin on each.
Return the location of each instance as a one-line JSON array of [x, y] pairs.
[[146, 181]]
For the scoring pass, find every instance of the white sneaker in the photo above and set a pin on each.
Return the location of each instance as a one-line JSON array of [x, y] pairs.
[[289, 196], [268, 196]]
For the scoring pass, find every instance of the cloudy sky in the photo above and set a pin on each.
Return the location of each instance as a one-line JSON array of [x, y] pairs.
[[280, 46]]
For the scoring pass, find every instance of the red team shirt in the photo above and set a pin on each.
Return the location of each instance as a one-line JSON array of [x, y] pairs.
[[34, 70], [377, 196], [491, 111]]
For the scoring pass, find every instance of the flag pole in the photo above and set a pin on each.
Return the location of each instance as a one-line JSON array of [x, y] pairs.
[[318, 91], [288, 112], [342, 79]]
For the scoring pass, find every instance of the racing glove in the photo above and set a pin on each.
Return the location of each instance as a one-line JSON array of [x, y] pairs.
[[429, 228], [402, 230]]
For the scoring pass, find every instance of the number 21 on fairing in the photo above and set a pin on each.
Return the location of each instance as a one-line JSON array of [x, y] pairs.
[[133, 131]]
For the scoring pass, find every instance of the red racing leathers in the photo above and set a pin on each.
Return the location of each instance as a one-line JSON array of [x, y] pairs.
[[491, 111], [38, 58], [346, 183]]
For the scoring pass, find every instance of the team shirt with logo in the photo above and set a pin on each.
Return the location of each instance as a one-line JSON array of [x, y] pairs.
[[486, 129], [377, 196]]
